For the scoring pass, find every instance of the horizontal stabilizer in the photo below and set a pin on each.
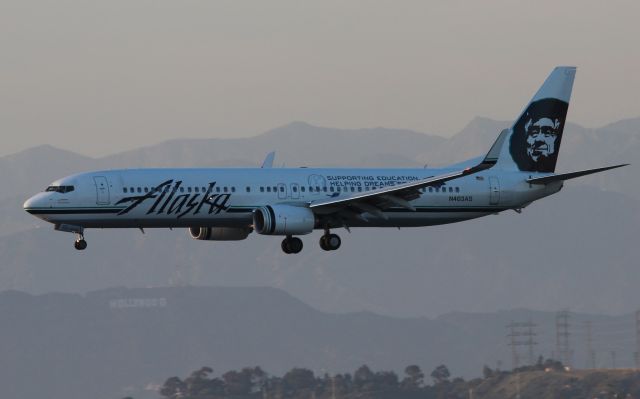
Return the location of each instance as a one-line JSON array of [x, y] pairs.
[[572, 175]]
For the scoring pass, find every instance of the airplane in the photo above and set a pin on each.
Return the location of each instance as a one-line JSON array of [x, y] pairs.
[[229, 204]]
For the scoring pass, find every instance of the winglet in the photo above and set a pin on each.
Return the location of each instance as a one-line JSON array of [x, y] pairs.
[[494, 152], [268, 160]]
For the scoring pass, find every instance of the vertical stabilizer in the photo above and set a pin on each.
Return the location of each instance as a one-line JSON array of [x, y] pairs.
[[533, 141]]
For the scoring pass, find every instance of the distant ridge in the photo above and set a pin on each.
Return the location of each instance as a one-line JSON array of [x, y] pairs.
[[150, 334], [417, 271]]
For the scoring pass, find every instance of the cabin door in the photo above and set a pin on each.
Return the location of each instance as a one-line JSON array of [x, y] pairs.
[[282, 191], [102, 190], [295, 190]]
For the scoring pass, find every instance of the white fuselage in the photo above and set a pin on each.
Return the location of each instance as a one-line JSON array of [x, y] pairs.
[[146, 198]]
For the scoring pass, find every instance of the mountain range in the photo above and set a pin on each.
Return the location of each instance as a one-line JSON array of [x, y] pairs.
[[125, 342], [574, 250]]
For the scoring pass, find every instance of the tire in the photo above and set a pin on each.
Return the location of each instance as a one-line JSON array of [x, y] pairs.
[[323, 243], [333, 242], [285, 246], [295, 245]]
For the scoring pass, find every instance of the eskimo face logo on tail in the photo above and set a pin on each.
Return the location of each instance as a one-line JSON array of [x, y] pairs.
[[168, 203], [535, 141]]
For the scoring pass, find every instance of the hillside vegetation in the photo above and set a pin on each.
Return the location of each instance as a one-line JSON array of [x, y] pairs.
[[548, 379]]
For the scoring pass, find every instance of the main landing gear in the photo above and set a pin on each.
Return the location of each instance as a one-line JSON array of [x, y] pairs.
[[291, 245], [330, 242], [80, 244]]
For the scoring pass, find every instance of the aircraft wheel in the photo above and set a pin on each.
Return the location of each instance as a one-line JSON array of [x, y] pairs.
[[291, 245], [323, 243], [330, 242], [333, 242], [80, 244], [295, 245], [285, 246]]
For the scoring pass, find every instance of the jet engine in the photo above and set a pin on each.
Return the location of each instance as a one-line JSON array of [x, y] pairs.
[[283, 220], [219, 233]]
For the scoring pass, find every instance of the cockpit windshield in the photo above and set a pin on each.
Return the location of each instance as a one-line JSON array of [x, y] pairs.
[[61, 189]]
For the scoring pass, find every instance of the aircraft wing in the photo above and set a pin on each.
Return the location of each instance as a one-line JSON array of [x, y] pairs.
[[399, 195]]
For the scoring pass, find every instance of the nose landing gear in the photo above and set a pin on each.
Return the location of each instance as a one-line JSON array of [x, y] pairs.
[[80, 243], [291, 245]]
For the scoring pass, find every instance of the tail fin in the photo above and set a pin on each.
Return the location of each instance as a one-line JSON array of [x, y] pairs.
[[533, 142]]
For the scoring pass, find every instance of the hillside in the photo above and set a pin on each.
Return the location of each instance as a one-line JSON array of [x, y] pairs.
[[576, 384], [136, 338], [546, 380]]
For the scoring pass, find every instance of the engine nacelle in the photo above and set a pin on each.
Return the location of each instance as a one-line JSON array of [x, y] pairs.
[[219, 233], [283, 220]]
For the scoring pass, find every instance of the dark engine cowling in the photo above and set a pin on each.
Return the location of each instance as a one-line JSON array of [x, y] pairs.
[[283, 220], [219, 233]]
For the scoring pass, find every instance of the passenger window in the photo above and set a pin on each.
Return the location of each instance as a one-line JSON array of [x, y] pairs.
[[233, 189], [310, 189], [331, 188], [188, 189], [430, 189], [262, 189], [457, 189], [124, 190], [295, 189], [225, 189], [139, 190], [197, 189], [353, 189], [359, 189], [324, 189], [217, 189], [281, 189], [248, 189], [204, 190], [317, 189], [268, 189], [146, 189], [450, 189], [302, 189]]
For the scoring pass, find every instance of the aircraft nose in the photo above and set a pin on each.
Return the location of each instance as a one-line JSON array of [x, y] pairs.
[[33, 202], [28, 204]]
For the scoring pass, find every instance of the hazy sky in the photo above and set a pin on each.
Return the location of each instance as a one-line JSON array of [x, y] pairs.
[[97, 77]]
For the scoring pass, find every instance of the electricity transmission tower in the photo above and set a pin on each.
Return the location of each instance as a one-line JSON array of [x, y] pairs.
[[591, 354], [521, 334], [563, 349]]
